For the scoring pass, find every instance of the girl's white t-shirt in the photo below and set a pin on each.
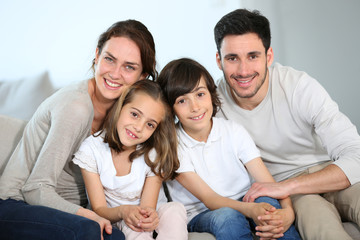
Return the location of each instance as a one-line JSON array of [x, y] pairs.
[[95, 156]]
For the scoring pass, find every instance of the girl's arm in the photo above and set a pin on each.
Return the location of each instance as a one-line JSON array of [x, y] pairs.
[[148, 203], [130, 213], [284, 216]]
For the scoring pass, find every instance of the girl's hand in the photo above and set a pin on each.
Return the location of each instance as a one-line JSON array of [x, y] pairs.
[[151, 219], [132, 216]]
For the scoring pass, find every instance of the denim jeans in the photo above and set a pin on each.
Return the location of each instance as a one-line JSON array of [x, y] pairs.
[[229, 224], [20, 221]]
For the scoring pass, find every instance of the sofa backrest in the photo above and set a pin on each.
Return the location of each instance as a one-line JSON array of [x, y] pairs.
[[10, 133]]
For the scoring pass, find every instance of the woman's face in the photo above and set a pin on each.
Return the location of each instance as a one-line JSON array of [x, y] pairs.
[[117, 67]]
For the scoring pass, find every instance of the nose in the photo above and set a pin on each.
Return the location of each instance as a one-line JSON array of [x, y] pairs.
[[139, 126], [244, 69], [115, 74], [194, 106]]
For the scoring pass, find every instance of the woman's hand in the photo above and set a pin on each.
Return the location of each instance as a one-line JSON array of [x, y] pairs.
[[104, 223], [151, 219]]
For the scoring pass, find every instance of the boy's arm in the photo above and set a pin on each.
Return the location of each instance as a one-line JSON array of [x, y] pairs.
[[284, 216], [194, 184]]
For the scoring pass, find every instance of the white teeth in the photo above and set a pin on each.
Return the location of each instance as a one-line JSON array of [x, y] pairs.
[[243, 81], [112, 84], [196, 118]]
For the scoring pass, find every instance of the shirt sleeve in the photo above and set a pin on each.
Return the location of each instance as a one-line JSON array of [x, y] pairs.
[[337, 134], [185, 161], [84, 157], [243, 143], [70, 123]]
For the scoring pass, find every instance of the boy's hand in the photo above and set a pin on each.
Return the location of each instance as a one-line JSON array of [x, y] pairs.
[[269, 223], [282, 218]]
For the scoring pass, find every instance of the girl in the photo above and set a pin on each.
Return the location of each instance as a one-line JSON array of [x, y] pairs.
[[123, 166], [216, 158], [40, 179]]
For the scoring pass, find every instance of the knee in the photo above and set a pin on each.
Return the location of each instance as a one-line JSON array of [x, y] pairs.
[[174, 208], [115, 235], [87, 229], [225, 215], [272, 201]]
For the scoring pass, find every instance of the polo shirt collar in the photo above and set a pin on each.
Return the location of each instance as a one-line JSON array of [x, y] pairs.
[[190, 142]]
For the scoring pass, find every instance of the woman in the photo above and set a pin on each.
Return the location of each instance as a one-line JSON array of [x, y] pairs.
[[42, 193]]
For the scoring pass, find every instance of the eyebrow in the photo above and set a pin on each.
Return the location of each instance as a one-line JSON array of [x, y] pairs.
[[254, 53], [151, 120], [127, 62], [249, 53], [198, 88]]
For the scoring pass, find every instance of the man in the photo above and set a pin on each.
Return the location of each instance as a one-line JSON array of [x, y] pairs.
[[306, 142]]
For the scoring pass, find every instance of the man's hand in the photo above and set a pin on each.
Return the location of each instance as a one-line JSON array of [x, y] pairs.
[[276, 190]]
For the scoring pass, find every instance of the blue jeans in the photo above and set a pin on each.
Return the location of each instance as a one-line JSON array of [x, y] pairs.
[[229, 224], [19, 220]]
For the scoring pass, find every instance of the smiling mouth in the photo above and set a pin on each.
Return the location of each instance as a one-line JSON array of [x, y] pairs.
[[198, 117], [131, 134], [112, 84]]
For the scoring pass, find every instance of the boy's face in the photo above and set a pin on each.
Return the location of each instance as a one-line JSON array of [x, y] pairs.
[[194, 110], [244, 63]]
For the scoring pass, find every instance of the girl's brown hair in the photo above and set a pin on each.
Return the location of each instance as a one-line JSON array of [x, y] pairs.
[[163, 140], [137, 32]]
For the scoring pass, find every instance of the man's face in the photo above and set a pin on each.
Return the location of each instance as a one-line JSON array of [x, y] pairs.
[[243, 60]]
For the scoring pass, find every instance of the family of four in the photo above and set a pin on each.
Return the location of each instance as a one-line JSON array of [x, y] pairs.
[[136, 155]]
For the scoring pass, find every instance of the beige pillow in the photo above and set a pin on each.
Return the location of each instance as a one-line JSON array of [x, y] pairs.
[[10, 133], [21, 98]]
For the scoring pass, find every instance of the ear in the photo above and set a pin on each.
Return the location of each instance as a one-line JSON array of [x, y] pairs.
[[143, 76], [269, 56], [218, 60], [96, 55]]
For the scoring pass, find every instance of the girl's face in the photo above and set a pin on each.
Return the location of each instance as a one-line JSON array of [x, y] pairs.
[[138, 120], [194, 111], [117, 67]]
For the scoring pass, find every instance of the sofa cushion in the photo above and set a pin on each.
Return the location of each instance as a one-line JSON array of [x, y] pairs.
[[10, 133], [20, 98]]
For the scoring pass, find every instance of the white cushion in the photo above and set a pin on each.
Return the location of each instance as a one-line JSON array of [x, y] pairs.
[[20, 98], [10, 133]]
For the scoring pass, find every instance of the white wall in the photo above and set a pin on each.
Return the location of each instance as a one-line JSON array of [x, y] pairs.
[[61, 36], [320, 37]]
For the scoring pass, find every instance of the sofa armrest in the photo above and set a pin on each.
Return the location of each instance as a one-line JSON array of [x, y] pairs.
[[10, 133]]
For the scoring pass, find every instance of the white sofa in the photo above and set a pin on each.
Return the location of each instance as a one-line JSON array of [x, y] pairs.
[[19, 100]]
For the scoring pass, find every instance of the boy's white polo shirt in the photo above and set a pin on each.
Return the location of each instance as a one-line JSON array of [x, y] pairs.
[[219, 162]]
